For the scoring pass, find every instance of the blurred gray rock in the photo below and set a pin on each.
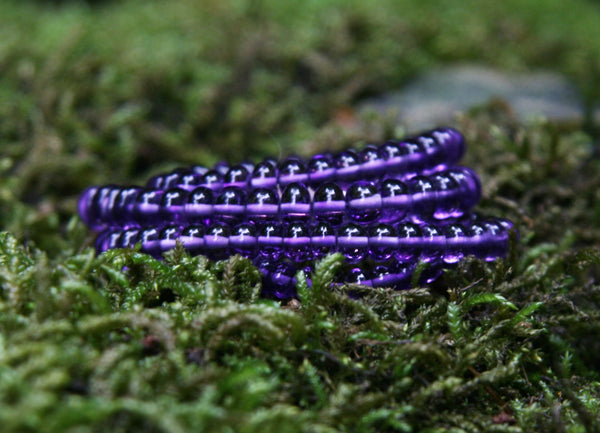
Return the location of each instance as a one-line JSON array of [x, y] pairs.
[[435, 97]]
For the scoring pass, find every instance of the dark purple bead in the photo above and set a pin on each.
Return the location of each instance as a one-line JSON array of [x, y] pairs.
[[321, 168], [123, 207], [147, 206], [221, 167], [402, 158], [88, 208], [456, 247], [200, 170], [347, 165], [423, 196], [329, 203], [383, 242], [414, 154], [216, 241], [173, 204], [364, 202], [192, 238], [102, 204], [372, 161], [409, 241], [395, 200], [296, 242], [230, 205], [199, 206], [149, 239], [168, 237], [263, 203], [264, 175], [470, 186], [212, 179], [129, 237], [358, 276], [279, 280], [292, 170], [453, 143], [352, 242], [435, 151], [433, 242], [190, 180], [448, 201], [270, 239], [382, 277], [107, 240], [323, 240], [494, 240], [243, 240], [295, 201], [109, 203], [237, 175]]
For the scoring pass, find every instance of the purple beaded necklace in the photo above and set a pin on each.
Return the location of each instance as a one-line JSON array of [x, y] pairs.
[[384, 208]]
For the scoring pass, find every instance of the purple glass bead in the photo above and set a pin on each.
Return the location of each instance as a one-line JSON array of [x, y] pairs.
[[270, 240], [352, 242], [364, 201], [395, 200], [455, 249], [168, 237], [422, 193], [397, 277], [383, 241], [433, 242], [108, 239], [279, 279], [216, 241], [172, 205], [323, 240], [470, 187], [321, 168], [264, 175], [263, 203], [358, 276], [212, 179], [295, 201], [409, 241], [230, 205], [199, 206], [221, 167], [329, 203], [147, 206], [192, 238], [297, 242], [237, 176], [129, 237], [372, 161], [149, 239], [292, 170], [448, 201], [347, 165], [243, 240]]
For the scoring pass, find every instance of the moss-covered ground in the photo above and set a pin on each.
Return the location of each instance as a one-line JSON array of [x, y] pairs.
[[114, 91]]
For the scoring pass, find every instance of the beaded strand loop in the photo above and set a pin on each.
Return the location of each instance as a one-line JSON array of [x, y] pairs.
[[383, 207]]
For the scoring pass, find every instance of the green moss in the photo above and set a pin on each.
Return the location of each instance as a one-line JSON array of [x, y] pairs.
[[122, 341]]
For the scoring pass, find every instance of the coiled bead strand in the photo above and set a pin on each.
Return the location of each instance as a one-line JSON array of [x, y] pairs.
[[450, 193]]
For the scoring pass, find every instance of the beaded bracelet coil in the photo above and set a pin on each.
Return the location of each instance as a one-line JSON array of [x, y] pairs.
[[385, 208]]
